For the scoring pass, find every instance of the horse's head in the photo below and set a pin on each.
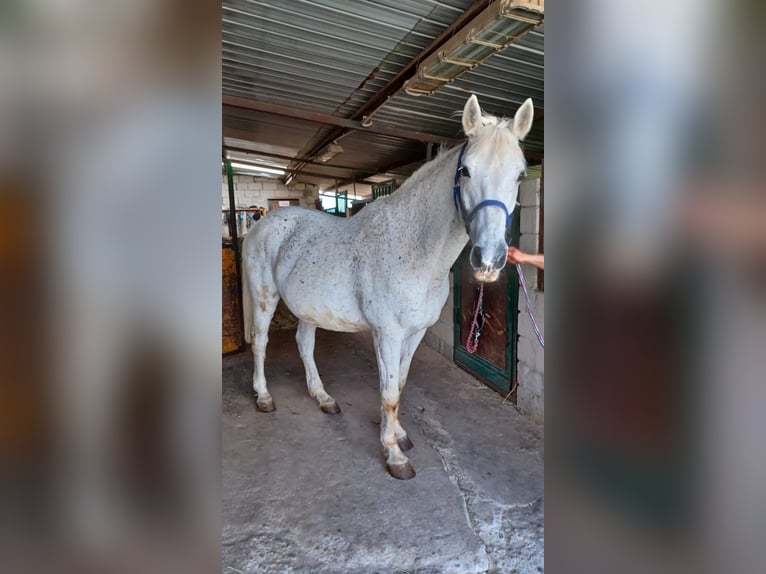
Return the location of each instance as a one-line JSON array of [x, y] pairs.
[[489, 173]]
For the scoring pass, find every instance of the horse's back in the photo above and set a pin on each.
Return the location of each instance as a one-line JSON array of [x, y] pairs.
[[284, 226]]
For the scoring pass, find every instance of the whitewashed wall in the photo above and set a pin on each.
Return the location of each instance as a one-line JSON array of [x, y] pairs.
[[441, 336], [530, 355], [251, 190]]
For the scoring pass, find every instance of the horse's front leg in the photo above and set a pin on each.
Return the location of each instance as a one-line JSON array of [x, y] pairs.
[[409, 346], [388, 349]]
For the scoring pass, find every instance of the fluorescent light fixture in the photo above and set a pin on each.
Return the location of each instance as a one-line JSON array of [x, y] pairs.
[[500, 24], [258, 168], [289, 179], [329, 152]]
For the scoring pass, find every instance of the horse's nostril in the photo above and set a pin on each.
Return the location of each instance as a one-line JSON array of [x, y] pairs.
[[475, 257], [501, 259]]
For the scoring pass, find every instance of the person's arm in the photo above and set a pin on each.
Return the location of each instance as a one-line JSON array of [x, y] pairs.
[[518, 256]]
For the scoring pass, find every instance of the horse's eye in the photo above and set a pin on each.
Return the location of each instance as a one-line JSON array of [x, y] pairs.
[[464, 171]]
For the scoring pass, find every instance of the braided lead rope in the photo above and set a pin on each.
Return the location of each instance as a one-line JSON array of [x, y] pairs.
[[473, 335], [529, 306]]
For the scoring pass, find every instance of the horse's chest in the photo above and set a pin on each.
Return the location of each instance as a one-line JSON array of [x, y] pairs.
[[422, 306]]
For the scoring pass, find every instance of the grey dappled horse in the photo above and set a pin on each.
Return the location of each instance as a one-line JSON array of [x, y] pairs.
[[393, 278]]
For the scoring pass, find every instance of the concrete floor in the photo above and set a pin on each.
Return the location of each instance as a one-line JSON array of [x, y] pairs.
[[304, 491]]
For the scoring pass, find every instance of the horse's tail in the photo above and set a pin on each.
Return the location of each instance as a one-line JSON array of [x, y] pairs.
[[247, 303]]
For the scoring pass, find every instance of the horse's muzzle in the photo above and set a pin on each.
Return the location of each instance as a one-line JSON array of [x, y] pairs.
[[486, 271]]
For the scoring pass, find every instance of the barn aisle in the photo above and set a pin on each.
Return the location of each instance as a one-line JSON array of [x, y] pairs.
[[308, 492]]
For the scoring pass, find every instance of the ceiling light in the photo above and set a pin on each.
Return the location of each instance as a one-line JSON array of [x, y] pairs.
[[258, 168], [329, 152], [500, 24]]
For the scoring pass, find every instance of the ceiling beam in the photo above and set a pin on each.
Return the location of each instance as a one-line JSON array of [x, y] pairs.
[[326, 119], [396, 83], [306, 160]]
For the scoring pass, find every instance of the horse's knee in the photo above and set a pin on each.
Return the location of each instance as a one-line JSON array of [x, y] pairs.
[[390, 399]]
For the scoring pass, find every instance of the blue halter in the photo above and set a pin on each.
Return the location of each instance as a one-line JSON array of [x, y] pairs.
[[467, 217]]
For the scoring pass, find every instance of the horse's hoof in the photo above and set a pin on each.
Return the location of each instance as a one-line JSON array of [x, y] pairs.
[[330, 408], [405, 443], [265, 406], [401, 471]]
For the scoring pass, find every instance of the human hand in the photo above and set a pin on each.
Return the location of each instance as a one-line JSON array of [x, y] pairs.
[[516, 256]]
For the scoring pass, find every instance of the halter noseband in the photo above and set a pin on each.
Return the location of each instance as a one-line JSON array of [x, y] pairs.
[[467, 217]]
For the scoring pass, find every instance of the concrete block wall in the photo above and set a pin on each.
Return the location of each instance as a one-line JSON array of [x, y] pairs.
[[530, 368], [441, 336], [252, 190]]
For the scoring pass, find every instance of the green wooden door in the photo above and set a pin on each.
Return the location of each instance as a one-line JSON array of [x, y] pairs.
[[495, 359]]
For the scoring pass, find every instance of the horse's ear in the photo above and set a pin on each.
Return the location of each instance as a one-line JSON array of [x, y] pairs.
[[471, 116], [522, 121]]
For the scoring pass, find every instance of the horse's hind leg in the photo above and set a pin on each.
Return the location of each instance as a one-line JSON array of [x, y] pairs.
[[305, 338], [265, 298]]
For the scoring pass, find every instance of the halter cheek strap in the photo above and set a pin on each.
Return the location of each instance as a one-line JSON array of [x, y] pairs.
[[466, 216]]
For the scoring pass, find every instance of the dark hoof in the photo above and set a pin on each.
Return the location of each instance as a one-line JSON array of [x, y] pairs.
[[265, 407], [401, 471], [330, 408], [405, 443]]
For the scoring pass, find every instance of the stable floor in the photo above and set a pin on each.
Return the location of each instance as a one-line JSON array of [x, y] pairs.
[[304, 491]]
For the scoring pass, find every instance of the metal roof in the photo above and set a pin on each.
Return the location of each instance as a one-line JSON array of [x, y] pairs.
[[333, 56]]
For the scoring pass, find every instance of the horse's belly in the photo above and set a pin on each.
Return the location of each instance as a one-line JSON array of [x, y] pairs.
[[326, 319], [336, 312], [332, 319]]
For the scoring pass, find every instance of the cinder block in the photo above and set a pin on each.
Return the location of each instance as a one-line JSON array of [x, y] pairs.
[[530, 220], [539, 358], [431, 340], [443, 330], [525, 351], [531, 403], [529, 195], [528, 242], [530, 277], [538, 306], [525, 325]]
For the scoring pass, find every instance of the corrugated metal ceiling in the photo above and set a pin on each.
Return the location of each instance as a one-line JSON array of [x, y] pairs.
[[332, 56]]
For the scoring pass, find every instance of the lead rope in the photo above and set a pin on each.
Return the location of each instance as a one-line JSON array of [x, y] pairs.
[[529, 306], [473, 335], [472, 342]]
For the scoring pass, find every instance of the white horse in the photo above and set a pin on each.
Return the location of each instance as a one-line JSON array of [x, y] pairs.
[[393, 278]]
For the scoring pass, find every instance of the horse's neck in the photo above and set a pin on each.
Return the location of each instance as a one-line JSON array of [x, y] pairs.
[[427, 206]]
